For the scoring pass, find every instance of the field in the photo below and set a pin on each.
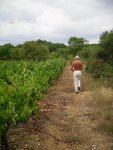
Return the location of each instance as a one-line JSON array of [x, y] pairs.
[[39, 109], [67, 120]]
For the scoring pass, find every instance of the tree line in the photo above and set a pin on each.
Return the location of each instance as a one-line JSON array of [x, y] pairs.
[[41, 49], [99, 56]]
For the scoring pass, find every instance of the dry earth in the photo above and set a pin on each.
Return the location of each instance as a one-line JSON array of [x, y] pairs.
[[65, 123]]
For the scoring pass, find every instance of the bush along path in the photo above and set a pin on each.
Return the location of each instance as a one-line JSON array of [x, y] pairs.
[[66, 122]]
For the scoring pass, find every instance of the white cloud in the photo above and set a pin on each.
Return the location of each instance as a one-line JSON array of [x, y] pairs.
[[54, 20]]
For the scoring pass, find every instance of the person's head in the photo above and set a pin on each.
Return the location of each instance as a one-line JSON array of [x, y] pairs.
[[77, 57]]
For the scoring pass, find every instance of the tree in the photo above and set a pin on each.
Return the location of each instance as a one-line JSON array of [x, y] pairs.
[[34, 50], [76, 44], [106, 43], [16, 53], [5, 51], [64, 52], [52, 46]]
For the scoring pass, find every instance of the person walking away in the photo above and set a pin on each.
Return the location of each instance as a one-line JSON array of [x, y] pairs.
[[77, 67]]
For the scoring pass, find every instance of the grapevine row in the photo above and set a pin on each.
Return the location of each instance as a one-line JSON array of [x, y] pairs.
[[22, 84]]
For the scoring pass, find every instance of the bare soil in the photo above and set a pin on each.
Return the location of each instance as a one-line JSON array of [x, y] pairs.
[[66, 121]]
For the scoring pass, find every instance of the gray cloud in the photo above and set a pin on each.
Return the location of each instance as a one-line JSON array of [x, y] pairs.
[[54, 20]]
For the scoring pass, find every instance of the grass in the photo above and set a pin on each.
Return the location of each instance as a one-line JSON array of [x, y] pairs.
[[102, 103], [90, 83]]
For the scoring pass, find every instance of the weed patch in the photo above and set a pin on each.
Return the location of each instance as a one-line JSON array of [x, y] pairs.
[[102, 103]]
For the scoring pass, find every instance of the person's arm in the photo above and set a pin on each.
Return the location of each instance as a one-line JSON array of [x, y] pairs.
[[72, 67]]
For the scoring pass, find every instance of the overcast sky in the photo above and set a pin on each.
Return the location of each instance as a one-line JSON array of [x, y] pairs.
[[54, 20]]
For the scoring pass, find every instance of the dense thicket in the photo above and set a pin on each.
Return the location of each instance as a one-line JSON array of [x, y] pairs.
[[100, 57], [106, 43]]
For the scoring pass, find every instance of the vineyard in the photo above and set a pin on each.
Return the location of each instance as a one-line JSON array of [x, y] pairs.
[[22, 84], [85, 120]]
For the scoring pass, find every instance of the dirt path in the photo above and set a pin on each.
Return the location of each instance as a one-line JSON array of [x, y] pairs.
[[66, 121]]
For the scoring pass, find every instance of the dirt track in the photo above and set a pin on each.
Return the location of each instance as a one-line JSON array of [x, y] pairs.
[[66, 121]]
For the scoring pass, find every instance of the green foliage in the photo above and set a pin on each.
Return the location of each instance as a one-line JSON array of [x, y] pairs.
[[96, 67], [106, 42], [100, 60], [102, 70], [5, 51], [76, 44], [31, 50], [51, 46], [21, 85], [64, 53], [53, 55], [89, 51], [16, 53], [36, 50]]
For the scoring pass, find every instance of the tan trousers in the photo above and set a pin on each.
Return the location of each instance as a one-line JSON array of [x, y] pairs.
[[77, 79]]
